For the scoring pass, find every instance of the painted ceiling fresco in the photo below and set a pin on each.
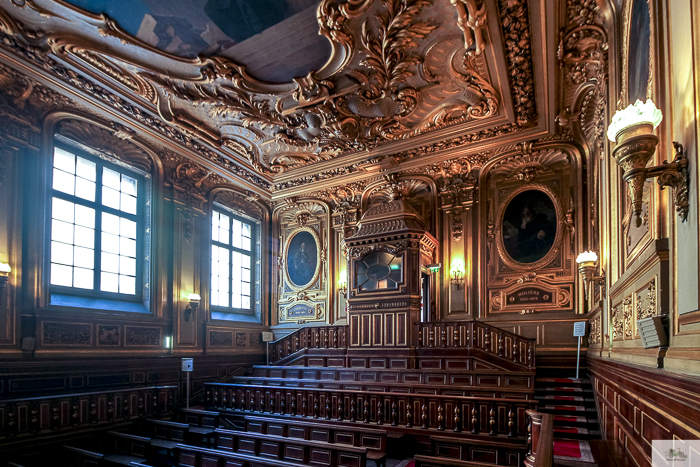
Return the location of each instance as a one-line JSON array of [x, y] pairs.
[[247, 31]]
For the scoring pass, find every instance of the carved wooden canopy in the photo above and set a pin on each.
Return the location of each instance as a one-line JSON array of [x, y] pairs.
[[402, 79]]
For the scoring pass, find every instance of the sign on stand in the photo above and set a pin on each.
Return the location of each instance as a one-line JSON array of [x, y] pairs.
[[187, 368], [579, 331], [267, 338]]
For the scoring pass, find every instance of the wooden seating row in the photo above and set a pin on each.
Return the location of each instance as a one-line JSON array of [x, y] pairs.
[[375, 441], [445, 390], [462, 378]]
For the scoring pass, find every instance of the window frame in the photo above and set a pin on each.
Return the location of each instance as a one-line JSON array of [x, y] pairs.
[[100, 299], [254, 261]]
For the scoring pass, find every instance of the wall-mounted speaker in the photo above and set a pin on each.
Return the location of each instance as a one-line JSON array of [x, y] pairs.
[[654, 331]]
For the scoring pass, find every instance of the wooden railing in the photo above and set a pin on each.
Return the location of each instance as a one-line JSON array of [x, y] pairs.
[[540, 440], [325, 338], [478, 415], [32, 416], [500, 345]]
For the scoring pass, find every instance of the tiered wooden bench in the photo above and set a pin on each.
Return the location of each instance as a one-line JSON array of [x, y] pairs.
[[375, 441], [281, 448], [202, 423]]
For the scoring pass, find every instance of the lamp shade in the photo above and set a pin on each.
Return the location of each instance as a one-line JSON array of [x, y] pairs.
[[5, 268], [194, 297], [587, 256], [636, 114]]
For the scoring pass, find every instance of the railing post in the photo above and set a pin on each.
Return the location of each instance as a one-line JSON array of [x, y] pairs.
[[303, 404], [511, 422], [424, 416], [380, 412], [455, 337], [443, 336], [283, 402], [409, 415], [340, 407], [492, 420], [431, 336], [420, 335], [394, 415], [315, 405], [487, 340], [365, 411], [500, 344], [293, 404], [328, 407], [475, 418], [515, 351], [352, 408], [458, 418], [440, 417]]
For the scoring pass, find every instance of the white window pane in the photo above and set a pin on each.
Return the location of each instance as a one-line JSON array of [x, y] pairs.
[[127, 247], [111, 178], [236, 234], [61, 275], [63, 182], [223, 256], [84, 216], [235, 301], [110, 243], [245, 302], [109, 282], [84, 257], [128, 185], [128, 204], [110, 197], [127, 285], [215, 299], [245, 230], [85, 189], [61, 253], [236, 286], [245, 261], [84, 237], [245, 243], [61, 231], [62, 210], [83, 278], [215, 226], [245, 275], [223, 284], [127, 228], [127, 266], [86, 169], [110, 223], [110, 262], [64, 160]]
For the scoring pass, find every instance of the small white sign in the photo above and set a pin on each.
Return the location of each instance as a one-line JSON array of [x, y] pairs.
[[267, 337], [186, 364], [579, 328]]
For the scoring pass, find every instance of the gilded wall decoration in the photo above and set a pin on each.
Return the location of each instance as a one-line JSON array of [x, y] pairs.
[[109, 335], [529, 215], [142, 336], [303, 263], [645, 303], [595, 332], [623, 320], [66, 334]]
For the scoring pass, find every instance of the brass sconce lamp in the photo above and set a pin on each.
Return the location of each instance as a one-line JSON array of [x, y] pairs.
[[5, 271], [457, 278], [343, 283], [587, 267], [632, 129], [192, 306]]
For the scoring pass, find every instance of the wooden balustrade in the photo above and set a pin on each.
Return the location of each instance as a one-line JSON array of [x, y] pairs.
[[488, 416], [501, 345], [308, 338], [540, 440], [32, 416]]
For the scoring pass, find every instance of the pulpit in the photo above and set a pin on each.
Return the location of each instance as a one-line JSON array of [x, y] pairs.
[[386, 257]]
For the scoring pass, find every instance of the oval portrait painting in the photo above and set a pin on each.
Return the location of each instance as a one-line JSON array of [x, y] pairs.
[[302, 258], [529, 226]]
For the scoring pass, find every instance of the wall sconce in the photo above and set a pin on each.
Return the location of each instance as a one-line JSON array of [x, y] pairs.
[[5, 271], [192, 306], [632, 131], [587, 267], [457, 278], [343, 283]]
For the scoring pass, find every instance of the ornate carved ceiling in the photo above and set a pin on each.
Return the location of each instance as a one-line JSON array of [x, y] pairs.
[[405, 80]]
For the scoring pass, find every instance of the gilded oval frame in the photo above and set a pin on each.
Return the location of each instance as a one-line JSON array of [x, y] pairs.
[[317, 271], [558, 238]]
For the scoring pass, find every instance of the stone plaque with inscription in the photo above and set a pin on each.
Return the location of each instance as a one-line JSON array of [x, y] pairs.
[[530, 296]]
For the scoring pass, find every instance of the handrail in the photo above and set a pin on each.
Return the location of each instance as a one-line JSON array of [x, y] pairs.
[[305, 338], [440, 412], [498, 343], [540, 440]]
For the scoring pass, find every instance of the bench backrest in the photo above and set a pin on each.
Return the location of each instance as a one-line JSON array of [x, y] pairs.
[[199, 418], [162, 429]]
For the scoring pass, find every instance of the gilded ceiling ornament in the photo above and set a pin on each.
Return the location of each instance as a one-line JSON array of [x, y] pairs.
[[471, 20]]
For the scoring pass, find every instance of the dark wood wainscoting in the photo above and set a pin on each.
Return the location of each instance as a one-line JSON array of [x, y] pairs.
[[637, 405], [30, 378]]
